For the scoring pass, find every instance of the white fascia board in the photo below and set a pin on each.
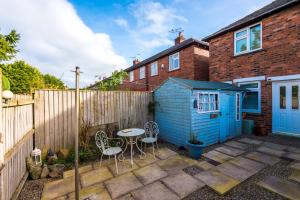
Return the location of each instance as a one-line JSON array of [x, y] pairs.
[[249, 79], [284, 78]]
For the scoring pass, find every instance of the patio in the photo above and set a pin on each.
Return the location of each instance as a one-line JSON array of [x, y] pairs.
[[222, 170]]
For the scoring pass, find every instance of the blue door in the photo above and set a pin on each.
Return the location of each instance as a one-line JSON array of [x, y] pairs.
[[227, 120], [285, 108]]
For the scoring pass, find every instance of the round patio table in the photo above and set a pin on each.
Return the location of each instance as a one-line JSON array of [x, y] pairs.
[[131, 135]]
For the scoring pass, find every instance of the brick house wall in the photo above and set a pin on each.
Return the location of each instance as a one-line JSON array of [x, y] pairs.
[[280, 55], [193, 65]]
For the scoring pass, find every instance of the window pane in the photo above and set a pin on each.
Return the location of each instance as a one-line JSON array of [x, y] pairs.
[[154, 69], [242, 33], [212, 102], [255, 39], [241, 45], [282, 97], [217, 101], [251, 100], [295, 97], [250, 85]]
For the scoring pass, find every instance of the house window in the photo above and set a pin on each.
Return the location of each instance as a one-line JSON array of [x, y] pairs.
[[174, 62], [238, 107], [251, 100], [248, 39], [142, 72], [154, 70], [131, 76], [208, 102], [295, 97]]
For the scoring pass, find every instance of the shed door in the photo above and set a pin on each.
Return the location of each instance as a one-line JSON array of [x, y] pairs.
[[227, 106], [286, 111]]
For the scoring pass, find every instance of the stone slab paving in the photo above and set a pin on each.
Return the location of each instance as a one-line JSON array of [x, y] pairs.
[[293, 156], [270, 151], [264, 158], [234, 171], [189, 160], [96, 191], [165, 153], [126, 197], [204, 165], [248, 164], [217, 156], [123, 167], [284, 188], [80, 169], [95, 176], [217, 181], [154, 191], [150, 173], [230, 151], [295, 166], [250, 141], [238, 145], [173, 164], [295, 176], [122, 184], [58, 188], [142, 162], [281, 147], [182, 184]]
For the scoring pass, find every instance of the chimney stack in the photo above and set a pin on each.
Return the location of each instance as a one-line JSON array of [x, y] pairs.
[[135, 61], [180, 38]]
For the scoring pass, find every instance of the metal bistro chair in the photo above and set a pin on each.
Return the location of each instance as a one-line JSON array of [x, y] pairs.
[[104, 145], [151, 132]]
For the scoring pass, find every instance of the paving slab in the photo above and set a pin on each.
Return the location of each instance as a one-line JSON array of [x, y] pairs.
[[234, 171], [230, 151], [295, 165], [154, 191], [219, 182], [126, 197], [142, 162], [123, 167], [182, 184], [281, 147], [80, 169], [96, 191], [270, 151], [293, 149], [295, 176], [217, 156], [61, 198], [173, 164], [284, 188], [165, 153], [250, 141], [190, 161], [204, 165], [238, 145], [150, 173], [95, 176], [264, 158], [58, 188], [122, 184], [248, 164], [293, 156]]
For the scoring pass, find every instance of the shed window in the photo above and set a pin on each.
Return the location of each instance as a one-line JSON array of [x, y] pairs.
[[251, 100], [208, 102], [238, 106], [174, 62]]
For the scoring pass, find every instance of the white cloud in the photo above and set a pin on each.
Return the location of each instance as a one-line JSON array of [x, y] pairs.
[[55, 39], [122, 23]]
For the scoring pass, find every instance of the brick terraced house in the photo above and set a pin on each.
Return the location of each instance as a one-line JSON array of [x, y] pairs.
[[186, 59], [262, 53]]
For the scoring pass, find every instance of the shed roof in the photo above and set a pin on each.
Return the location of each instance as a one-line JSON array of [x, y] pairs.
[[206, 85], [267, 10]]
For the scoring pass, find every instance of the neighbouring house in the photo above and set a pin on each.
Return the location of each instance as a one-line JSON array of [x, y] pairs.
[[186, 59], [210, 110], [261, 52]]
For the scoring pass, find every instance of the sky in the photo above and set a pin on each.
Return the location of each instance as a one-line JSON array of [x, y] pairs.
[[101, 36]]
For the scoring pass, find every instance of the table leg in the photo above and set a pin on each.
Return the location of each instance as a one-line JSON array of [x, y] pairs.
[[137, 146], [131, 151], [121, 157]]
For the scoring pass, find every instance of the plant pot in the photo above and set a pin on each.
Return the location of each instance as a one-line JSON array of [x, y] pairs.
[[195, 150]]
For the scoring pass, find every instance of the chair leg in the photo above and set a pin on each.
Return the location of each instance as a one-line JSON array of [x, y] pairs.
[[117, 170], [156, 145], [101, 159], [153, 150]]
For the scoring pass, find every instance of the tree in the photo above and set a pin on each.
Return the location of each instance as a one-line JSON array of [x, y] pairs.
[[113, 81], [8, 44], [53, 82]]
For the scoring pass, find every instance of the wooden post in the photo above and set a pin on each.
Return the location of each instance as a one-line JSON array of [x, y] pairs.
[[1, 142], [76, 123]]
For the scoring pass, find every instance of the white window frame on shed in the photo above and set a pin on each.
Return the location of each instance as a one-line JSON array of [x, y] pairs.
[[131, 76], [142, 72], [207, 101], [154, 69], [172, 62]]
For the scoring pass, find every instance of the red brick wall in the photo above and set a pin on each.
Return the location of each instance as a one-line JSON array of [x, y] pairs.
[[193, 65], [280, 55]]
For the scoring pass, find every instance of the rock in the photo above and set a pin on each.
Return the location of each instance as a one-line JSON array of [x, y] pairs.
[[50, 153], [45, 171], [35, 171], [52, 159], [63, 153], [44, 153], [57, 170], [29, 163], [53, 174]]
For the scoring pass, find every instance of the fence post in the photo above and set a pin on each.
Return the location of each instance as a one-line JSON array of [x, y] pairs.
[[1, 142]]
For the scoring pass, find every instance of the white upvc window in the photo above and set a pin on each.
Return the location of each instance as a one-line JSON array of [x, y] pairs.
[[142, 72], [154, 69], [174, 62], [208, 102], [252, 98], [238, 106], [131, 76], [248, 39]]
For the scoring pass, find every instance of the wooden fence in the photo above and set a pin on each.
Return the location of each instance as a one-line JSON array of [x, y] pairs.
[[55, 112]]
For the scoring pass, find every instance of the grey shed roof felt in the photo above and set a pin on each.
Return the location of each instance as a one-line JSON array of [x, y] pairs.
[[256, 16], [206, 85]]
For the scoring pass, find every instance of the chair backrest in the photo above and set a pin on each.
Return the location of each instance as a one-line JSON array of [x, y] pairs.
[[101, 140], [151, 129]]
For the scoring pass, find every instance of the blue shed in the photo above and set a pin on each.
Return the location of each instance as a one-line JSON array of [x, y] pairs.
[[210, 110]]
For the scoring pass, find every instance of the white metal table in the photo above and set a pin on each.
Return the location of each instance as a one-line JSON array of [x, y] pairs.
[[131, 135]]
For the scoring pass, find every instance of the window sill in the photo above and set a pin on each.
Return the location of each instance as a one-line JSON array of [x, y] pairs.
[[141, 78], [153, 75], [248, 53], [174, 69]]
